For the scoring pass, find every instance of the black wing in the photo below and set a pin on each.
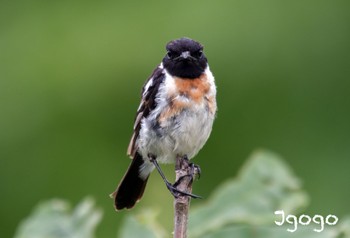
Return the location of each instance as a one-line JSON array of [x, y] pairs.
[[148, 103]]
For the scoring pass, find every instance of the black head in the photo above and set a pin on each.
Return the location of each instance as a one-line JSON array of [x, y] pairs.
[[185, 58]]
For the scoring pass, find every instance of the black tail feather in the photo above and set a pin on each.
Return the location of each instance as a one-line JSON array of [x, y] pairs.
[[131, 188]]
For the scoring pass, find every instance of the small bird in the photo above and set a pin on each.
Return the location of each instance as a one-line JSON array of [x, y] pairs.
[[175, 118]]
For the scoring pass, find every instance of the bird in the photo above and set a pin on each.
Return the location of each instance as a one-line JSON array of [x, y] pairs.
[[175, 118]]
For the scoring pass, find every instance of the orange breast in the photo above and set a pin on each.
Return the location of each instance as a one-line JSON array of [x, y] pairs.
[[195, 90]]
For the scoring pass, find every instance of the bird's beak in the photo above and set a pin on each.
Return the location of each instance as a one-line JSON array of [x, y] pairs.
[[185, 54]]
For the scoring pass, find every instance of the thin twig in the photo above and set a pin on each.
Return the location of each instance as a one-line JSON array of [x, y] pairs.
[[184, 174]]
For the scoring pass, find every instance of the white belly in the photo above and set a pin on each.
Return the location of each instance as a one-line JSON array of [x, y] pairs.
[[186, 128], [185, 135]]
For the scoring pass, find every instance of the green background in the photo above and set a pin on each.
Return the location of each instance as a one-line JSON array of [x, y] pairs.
[[70, 80]]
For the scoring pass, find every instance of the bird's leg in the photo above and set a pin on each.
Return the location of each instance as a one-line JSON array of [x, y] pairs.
[[195, 171], [173, 190]]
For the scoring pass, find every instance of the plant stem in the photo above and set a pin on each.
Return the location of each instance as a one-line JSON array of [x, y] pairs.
[[184, 173]]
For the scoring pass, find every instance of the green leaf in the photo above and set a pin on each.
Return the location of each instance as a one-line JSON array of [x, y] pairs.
[[344, 228], [55, 219], [249, 231], [265, 184], [245, 207], [268, 232], [142, 225]]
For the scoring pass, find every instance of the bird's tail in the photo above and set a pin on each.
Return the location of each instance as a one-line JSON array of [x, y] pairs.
[[132, 186]]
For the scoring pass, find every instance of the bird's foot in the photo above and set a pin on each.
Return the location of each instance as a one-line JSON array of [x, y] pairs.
[[176, 192]]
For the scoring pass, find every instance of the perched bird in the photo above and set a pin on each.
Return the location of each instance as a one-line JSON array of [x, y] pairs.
[[175, 118]]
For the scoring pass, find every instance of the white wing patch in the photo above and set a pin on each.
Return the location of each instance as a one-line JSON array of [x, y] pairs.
[[149, 84]]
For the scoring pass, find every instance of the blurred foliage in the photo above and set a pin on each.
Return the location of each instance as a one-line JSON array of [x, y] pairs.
[[242, 207], [54, 219], [144, 224], [265, 184], [70, 80]]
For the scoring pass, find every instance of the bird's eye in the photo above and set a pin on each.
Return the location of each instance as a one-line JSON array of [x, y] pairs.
[[198, 54], [169, 54]]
